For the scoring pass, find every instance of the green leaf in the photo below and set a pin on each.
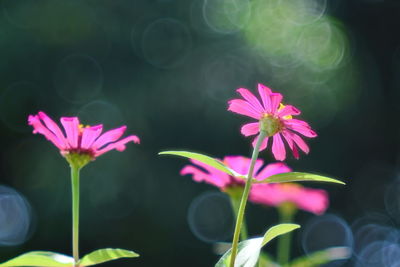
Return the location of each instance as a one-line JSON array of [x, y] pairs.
[[297, 177], [40, 258], [321, 257], [219, 165], [278, 230], [249, 250], [104, 255]]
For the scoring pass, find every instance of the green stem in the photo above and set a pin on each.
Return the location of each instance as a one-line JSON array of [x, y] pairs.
[[235, 207], [243, 201], [75, 212], [286, 213]]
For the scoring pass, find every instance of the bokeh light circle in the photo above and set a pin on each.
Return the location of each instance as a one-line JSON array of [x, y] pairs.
[[101, 112], [210, 217], [166, 43], [21, 13], [372, 233], [226, 16], [392, 200], [301, 12], [15, 217], [327, 231], [78, 78], [379, 254]]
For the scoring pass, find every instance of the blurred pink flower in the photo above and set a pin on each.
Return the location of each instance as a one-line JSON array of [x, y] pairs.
[[274, 118], [204, 173], [78, 139], [308, 199], [312, 200]]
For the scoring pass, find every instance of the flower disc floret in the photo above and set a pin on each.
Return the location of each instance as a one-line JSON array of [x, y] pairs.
[[270, 124]]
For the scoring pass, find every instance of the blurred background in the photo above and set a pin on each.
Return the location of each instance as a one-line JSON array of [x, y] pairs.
[[166, 69]]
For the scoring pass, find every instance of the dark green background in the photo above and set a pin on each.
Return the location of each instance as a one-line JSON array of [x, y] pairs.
[[103, 61]]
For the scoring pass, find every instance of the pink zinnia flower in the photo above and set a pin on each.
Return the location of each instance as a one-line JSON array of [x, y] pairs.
[[312, 200], [203, 173], [274, 118], [308, 199], [79, 140]]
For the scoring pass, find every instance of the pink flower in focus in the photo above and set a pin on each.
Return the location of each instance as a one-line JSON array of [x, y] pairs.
[[78, 139], [204, 173], [274, 118], [308, 199]]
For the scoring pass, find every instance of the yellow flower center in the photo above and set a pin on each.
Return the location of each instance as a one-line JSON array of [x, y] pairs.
[[81, 127], [288, 117]]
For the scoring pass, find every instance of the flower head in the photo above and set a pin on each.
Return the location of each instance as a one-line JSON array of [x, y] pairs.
[[203, 173], [274, 118], [312, 200], [78, 143], [308, 199]]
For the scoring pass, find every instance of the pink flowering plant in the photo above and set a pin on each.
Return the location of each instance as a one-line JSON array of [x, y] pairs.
[[79, 145], [274, 119], [274, 184]]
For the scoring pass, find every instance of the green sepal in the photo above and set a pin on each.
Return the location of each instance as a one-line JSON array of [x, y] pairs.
[[104, 255], [249, 250], [296, 177], [78, 160]]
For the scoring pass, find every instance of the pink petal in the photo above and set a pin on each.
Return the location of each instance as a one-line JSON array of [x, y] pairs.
[[108, 137], [264, 93], [244, 108], [38, 127], [288, 110], [219, 177], [119, 145], [212, 175], [276, 99], [200, 176], [53, 127], [300, 122], [265, 194], [300, 127], [278, 148], [312, 200], [291, 144], [263, 144], [250, 129], [89, 135], [71, 127], [246, 94], [299, 142], [241, 164], [272, 169]]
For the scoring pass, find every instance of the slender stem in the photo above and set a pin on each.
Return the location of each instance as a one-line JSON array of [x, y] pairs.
[[286, 214], [235, 207], [242, 207], [75, 213]]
